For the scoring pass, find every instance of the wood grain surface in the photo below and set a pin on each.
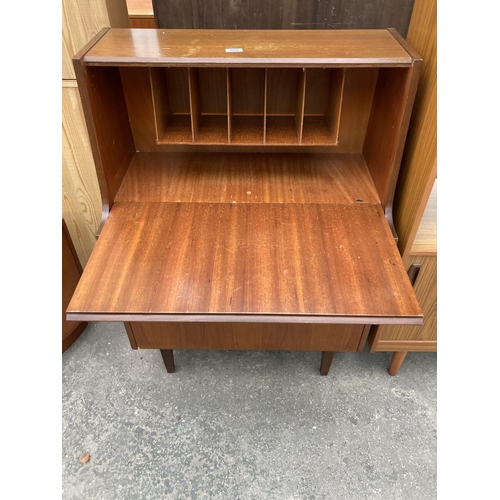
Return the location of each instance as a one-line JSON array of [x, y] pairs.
[[336, 261], [250, 178], [268, 48], [406, 345], [419, 162], [247, 336], [388, 126], [106, 115], [81, 197], [82, 20]]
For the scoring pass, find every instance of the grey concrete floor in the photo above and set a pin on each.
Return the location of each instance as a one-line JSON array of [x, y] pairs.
[[244, 425]]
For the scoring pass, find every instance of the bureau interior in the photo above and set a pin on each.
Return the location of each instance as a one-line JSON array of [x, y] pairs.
[[253, 110]]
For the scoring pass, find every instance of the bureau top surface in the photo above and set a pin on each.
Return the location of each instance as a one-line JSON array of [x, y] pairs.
[[136, 47]]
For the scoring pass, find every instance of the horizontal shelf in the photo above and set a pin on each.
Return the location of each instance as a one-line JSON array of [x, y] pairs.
[[247, 130], [177, 130], [248, 178], [287, 262], [281, 130], [212, 129], [317, 131]]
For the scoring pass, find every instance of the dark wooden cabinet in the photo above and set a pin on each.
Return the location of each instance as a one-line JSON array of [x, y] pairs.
[[247, 180], [284, 14]]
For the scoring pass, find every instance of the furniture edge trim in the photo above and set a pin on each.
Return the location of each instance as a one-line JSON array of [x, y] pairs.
[[246, 318], [81, 53], [404, 44], [406, 345], [69, 84], [422, 253], [248, 62]]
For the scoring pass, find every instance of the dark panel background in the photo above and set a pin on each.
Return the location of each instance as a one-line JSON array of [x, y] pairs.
[[284, 14]]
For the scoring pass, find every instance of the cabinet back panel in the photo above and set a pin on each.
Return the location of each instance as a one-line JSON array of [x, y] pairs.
[[176, 80], [248, 178], [318, 90], [282, 91], [247, 91], [212, 88]]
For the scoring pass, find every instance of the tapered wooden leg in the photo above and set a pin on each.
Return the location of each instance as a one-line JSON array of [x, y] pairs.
[[168, 359], [396, 362], [326, 361]]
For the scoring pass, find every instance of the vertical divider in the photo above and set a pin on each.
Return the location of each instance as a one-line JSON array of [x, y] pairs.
[[161, 109], [301, 99], [265, 104], [229, 105], [335, 102], [194, 101]]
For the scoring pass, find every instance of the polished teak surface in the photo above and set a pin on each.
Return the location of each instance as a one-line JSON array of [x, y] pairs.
[[247, 193], [246, 259], [260, 48]]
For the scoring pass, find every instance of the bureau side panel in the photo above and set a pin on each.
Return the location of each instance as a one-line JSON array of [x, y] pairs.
[[387, 127], [107, 122]]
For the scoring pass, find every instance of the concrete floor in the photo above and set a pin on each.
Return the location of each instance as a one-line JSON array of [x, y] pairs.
[[244, 425]]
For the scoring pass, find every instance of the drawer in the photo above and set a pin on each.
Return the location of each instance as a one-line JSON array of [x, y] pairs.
[[246, 336]]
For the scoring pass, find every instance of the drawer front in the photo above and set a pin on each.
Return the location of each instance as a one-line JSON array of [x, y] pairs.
[[247, 336]]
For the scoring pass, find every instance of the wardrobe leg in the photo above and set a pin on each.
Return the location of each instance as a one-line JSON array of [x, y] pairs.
[[396, 362], [168, 359], [326, 361]]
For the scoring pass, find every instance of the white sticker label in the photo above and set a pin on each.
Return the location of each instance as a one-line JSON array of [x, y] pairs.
[[234, 50]]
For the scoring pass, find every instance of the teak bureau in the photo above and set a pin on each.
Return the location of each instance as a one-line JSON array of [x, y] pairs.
[[247, 180]]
